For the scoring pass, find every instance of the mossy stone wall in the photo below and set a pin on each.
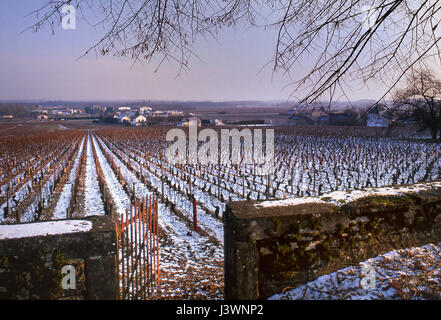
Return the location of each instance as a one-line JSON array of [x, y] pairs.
[[268, 249], [30, 268]]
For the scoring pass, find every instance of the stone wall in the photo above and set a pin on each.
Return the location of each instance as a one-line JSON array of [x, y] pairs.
[[30, 267], [270, 246]]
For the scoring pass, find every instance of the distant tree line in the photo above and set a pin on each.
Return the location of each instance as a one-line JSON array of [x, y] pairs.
[[18, 110]]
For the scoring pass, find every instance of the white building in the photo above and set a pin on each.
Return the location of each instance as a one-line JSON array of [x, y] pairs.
[[145, 109], [159, 113], [174, 113], [187, 122], [123, 118], [139, 120]]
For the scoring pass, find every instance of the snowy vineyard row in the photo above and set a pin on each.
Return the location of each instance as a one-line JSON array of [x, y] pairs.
[[309, 165]]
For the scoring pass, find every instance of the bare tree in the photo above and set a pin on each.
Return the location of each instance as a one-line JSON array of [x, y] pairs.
[[421, 99], [347, 41]]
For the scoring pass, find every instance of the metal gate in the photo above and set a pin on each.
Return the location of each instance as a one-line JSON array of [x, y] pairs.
[[138, 249]]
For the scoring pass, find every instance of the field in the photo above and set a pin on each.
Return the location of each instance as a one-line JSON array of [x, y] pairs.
[[83, 172]]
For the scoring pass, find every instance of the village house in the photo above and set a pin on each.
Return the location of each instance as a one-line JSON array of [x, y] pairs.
[[75, 111], [123, 119], [318, 114], [342, 118], [186, 122], [174, 113], [322, 120], [159, 113], [145, 109], [379, 117], [139, 120]]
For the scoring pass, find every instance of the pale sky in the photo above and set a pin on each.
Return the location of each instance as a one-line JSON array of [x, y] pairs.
[[45, 66]]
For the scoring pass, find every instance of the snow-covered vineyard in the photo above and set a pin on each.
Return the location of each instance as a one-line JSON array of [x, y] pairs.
[[77, 173], [413, 273]]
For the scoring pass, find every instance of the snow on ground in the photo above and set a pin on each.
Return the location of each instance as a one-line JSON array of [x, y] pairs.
[[188, 261], [94, 204], [119, 196], [61, 127], [21, 194], [211, 225], [66, 194], [288, 202], [413, 273], [43, 228], [341, 197], [140, 188], [167, 220], [28, 214]]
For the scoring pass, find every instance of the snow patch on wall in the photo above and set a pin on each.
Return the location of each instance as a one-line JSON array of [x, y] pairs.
[[341, 197], [43, 228]]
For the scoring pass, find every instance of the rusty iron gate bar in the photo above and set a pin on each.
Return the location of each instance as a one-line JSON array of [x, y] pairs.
[[138, 249]]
